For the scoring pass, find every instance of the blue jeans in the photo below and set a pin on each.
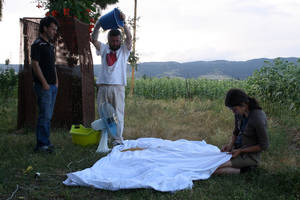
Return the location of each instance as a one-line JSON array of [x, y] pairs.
[[45, 100]]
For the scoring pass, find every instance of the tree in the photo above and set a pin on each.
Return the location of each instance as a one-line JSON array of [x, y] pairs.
[[1, 6], [87, 11], [7, 61]]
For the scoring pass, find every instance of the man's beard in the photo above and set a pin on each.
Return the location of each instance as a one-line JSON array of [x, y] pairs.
[[115, 48]]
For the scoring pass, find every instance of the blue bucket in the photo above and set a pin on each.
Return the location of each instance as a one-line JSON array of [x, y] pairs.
[[111, 20]]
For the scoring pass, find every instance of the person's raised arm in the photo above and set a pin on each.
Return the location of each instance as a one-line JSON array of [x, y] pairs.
[[128, 39], [94, 36]]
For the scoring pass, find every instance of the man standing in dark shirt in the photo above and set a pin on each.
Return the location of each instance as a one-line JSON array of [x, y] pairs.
[[45, 80]]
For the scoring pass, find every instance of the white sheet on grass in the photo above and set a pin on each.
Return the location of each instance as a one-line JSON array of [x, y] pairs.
[[163, 165]]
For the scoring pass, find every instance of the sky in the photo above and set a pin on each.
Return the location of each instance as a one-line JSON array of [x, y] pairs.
[[190, 30]]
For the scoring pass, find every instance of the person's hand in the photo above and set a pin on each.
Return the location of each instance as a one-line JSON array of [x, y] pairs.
[[46, 86], [236, 152], [91, 39], [226, 148], [122, 16]]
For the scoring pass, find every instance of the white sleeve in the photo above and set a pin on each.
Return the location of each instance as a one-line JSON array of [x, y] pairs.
[[126, 51], [102, 47]]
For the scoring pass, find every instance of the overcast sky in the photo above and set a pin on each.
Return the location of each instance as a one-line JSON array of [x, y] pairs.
[[184, 31]]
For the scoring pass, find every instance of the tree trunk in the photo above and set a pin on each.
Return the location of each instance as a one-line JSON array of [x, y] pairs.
[[1, 7], [133, 48]]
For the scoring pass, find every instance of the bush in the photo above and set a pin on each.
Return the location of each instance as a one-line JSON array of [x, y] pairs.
[[279, 82], [8, 92], [8, 83]]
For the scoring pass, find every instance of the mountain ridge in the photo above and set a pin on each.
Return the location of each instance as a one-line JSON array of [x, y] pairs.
[[209, 69], [196, 69]]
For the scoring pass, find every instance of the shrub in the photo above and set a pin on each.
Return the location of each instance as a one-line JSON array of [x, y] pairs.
[[279, 82], [8, 91], [8, 83]]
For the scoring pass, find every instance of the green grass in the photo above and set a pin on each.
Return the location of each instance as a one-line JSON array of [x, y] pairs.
[[278, 177]]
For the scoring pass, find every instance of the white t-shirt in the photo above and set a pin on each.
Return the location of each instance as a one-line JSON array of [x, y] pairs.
[[115, 74]]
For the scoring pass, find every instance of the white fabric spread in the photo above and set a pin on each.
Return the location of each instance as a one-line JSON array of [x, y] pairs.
[[163, 165]]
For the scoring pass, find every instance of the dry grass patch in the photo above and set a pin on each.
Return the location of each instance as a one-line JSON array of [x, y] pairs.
[[178, 119]]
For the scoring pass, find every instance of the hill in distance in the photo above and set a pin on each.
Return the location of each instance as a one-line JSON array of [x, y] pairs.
[[218, 69], [208, 69]]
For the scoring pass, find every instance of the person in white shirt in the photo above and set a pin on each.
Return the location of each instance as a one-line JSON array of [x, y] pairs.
[[111, 80]]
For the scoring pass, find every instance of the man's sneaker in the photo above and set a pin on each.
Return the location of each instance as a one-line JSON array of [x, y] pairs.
[[45, 149], [116, 143]]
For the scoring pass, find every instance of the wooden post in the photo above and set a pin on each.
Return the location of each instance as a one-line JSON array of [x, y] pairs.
[[133, 65]]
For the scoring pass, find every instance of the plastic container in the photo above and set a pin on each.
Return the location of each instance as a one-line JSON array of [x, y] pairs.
[[84, 136], [111, 20]]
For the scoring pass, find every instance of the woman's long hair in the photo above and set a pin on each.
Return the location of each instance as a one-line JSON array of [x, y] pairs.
[[235, 97]]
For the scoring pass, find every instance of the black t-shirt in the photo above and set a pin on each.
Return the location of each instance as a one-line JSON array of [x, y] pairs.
[[44, 52]]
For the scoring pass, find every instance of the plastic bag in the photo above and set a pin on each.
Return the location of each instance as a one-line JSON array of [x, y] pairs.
[[98, 124], [103, 147]]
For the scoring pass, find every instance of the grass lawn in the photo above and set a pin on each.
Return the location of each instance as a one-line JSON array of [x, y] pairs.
[[278, 176]]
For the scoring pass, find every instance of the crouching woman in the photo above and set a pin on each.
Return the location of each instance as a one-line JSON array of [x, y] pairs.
[[249, 137]]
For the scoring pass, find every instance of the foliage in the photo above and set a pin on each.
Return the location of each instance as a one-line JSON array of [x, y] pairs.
[[8, 83], [134, 57], [8, 92], [1, 7], [87, 11], [7, 61], [278, 81], [173, 88]]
